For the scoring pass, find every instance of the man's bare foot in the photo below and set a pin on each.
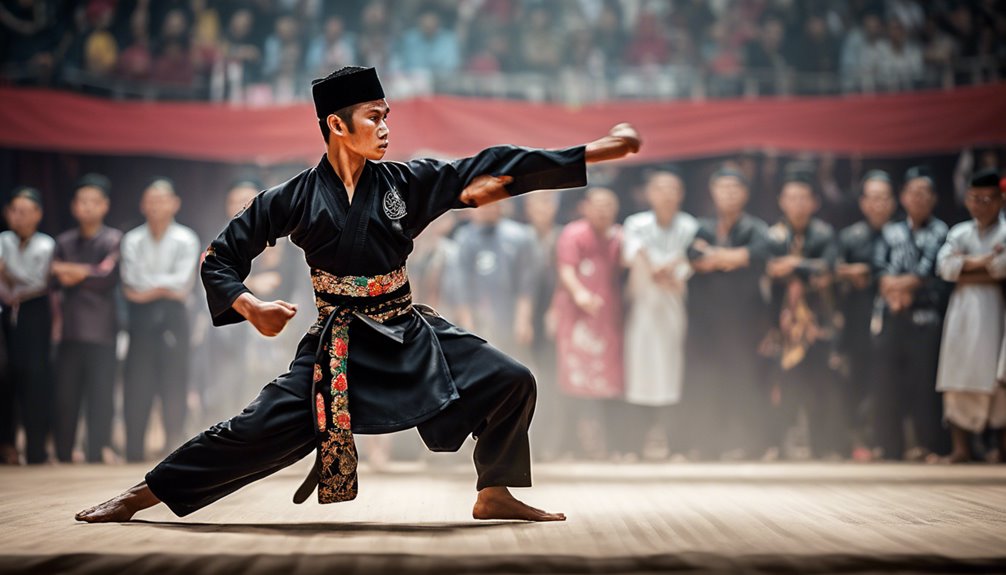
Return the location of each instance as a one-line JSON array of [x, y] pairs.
[[121, 507], [498, 503]]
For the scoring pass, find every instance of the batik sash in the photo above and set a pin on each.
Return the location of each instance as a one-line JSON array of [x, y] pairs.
[[339, 300]]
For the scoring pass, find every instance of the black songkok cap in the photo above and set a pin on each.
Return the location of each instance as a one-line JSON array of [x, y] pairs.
[[345, 87], [987, 178], [94, 181], [919, 172], [27, 193], [801, 173], [729, 172]]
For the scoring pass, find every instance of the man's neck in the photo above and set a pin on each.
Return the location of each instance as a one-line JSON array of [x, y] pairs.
[[543, 229], [727, 220], [985, 226], [664, 220], [347, 166], [157, 229], [875, 224], [24, 239], [919, 223], [798, 227], [89, 230]]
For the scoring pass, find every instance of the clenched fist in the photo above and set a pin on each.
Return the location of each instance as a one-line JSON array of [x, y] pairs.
[[269, 318]]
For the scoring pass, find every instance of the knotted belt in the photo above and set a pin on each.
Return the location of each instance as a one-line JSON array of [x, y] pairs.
[[339, 299]]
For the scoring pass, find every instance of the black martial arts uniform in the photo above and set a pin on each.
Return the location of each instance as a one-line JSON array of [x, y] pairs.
[[414, 369], [726, 320]]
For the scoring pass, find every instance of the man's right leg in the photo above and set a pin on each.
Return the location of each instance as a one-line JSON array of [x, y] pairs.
[[274, 431], [71, 380], [139, 379], [888, 410], [100, 405]]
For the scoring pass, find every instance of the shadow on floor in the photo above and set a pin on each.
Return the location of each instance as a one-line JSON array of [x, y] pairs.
[[310, 529]]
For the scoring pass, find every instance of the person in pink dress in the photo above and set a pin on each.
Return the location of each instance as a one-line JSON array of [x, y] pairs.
[[588, 312]]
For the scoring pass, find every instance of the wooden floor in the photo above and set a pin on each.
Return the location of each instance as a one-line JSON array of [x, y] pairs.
[[639, 518]]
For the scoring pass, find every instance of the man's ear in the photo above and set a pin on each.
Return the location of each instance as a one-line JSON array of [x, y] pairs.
[[335, 125]]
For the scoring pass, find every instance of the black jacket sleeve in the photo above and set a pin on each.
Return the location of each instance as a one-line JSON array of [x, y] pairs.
[[273, 214]]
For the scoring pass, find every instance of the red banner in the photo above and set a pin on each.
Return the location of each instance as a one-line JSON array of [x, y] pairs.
[[877, 126]]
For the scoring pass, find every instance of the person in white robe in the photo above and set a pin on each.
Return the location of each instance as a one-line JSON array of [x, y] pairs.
[[974, 257], [655, 251]]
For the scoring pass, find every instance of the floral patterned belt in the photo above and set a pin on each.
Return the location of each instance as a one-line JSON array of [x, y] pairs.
[[335, 468]]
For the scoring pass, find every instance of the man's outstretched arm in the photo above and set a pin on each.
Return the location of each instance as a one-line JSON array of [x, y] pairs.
[[487, 188], [621, 141]]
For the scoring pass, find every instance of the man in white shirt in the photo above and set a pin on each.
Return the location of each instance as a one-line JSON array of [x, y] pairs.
[[25, 392], [159, 260], [974, 259], [655, 250]]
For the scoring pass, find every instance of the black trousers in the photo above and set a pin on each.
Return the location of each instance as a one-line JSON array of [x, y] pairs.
[[26, 394], [724, 399], [907, 355], [157, 366], [496, 404], [85, 376], [859, 387], [814, 386]]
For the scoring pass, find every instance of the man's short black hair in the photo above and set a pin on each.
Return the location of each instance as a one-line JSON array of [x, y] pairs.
[[245, 183], [800, 172], [729, 172], [922, 171], [878, 175], [102, 183], [161, 183], [345, 114], [27, 192]]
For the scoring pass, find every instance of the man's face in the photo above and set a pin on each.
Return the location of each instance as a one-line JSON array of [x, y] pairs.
[[877, 201], [333, 28], [159, 206], [918, 198], [541, 208], [23, 216], [664, 193], [369, 137], [772, 33], [797, 202], [729, 194], [984, 204], [600, 210], [89, 206], [488, 214], [429, 23], [238, 198], [872, 26]]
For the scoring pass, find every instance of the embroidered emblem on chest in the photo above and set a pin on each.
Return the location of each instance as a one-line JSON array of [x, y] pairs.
[[394, 205]]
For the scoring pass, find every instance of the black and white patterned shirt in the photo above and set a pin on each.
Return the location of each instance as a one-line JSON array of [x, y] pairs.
[[907, 251]]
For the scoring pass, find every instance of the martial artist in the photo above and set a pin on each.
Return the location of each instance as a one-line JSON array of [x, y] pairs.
[[373, 362]]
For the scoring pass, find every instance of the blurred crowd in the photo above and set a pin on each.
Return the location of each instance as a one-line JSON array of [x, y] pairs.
[[654, 334], [265, 51]]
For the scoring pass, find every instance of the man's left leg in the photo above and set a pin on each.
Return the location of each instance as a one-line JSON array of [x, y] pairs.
[[496, 406]]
